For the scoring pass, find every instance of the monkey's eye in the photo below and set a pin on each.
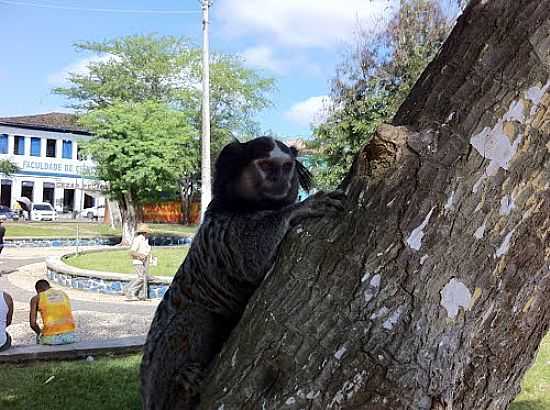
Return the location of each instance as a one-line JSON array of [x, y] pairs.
[[287, 167]]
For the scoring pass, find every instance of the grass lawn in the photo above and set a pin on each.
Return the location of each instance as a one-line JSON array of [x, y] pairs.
[[169, 260], [104, 384], [87, 229], [112, 383], [535, 391]]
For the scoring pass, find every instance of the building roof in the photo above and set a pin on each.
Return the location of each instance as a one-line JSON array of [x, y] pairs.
[[53, 121]]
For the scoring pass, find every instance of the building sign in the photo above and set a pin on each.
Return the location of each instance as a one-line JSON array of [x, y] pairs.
[[85, 185], [82, 170]]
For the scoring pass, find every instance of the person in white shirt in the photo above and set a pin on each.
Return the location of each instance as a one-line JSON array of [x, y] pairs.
[[6, 315], [141, 255]]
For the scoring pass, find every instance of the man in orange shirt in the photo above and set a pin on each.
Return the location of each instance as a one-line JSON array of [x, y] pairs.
[[57, 317]]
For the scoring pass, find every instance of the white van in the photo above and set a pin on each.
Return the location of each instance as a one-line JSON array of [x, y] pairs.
[[43, 211]]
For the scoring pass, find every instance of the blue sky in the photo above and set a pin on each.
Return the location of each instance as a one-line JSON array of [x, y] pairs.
[[298, 42]]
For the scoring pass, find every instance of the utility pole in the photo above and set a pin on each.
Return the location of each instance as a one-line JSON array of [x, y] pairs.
[[206, 181]]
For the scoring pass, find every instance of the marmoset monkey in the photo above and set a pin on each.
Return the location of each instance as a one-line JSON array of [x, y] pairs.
[[255, 189]]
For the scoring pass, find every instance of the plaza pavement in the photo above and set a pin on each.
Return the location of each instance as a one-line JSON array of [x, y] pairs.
[[98, 316]]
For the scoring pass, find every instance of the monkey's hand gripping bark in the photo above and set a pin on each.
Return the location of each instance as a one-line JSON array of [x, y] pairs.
[[322, 204]]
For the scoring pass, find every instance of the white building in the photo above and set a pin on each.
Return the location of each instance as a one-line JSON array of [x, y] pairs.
[[45, 148]]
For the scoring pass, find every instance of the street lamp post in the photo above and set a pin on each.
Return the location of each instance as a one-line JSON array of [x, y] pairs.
[[206, 189]]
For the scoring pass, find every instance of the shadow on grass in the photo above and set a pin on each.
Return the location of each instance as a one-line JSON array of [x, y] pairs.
[[107, 383]]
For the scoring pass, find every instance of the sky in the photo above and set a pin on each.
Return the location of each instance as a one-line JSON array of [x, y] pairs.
[[297, 42]]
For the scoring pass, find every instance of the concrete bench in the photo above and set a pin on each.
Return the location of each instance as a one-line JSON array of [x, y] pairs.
[[25, 353]]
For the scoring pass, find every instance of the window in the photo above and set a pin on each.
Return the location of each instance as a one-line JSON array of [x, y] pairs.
[[35, 146], [3, 143], [19, 145], [50, 148], [67, 149]]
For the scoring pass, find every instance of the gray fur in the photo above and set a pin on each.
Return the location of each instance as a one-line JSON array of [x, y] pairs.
[[229, 257]]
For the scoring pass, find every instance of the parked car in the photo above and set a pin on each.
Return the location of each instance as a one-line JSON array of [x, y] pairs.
[[8, 213], [43, 211], [95, 212]]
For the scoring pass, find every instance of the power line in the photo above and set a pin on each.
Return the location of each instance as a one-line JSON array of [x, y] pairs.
[[98, 10]]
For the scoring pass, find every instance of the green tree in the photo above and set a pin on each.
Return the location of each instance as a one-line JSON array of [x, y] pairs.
[[372, 82], [141, 149], [7, 167], [167, 70]]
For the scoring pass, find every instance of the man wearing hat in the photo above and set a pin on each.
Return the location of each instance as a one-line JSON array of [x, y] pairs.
[[141, 254]]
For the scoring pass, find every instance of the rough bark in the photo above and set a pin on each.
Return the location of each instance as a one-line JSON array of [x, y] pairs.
[[431, 292]]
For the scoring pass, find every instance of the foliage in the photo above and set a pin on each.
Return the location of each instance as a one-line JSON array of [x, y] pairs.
[[168, 69], [141, 148], [7, 167], [373, 81]]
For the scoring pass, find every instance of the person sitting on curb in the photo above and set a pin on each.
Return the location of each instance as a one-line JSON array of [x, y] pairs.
[[57, 316], [141, 255], [6, 315]]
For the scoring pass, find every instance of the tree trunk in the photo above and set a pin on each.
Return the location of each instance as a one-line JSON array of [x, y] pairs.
[[432, 291], [131, 216]]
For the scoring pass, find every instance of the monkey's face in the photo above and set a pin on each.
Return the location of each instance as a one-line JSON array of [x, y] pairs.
[[271, 178], [259, 174]]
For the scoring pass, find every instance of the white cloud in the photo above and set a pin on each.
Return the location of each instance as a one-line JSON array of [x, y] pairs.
[[59, 78], [300, 23], [263, 57], [310, 111]]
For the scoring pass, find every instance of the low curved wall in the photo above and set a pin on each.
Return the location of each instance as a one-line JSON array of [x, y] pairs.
[[161, 240], [111, 283]]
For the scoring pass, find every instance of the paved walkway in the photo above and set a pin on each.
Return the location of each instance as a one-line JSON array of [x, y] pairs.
[[98, 316]]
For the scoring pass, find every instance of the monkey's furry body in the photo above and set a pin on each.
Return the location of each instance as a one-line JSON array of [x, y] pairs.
[[255, 187]]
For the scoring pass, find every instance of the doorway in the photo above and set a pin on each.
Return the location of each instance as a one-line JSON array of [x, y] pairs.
[[48, 193], [27, 188], [68, 200], [5, 193]]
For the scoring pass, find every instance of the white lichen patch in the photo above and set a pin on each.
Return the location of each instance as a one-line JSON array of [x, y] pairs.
[[478, 234], [453, 296], [506, 205], [535, 94], [372, 289], [505, 245], [383, 311], [423, 259], [234, 358], [290, 401], [221, 407], [414, 241], [392, 320], [375, 281], [516, 112], [340, 353], [494, 145], [449, 203], [365, 277]]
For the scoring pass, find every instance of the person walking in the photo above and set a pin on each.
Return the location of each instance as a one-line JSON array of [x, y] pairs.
[[57, 316], [6, 315], [140, 252], [2, 231]]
